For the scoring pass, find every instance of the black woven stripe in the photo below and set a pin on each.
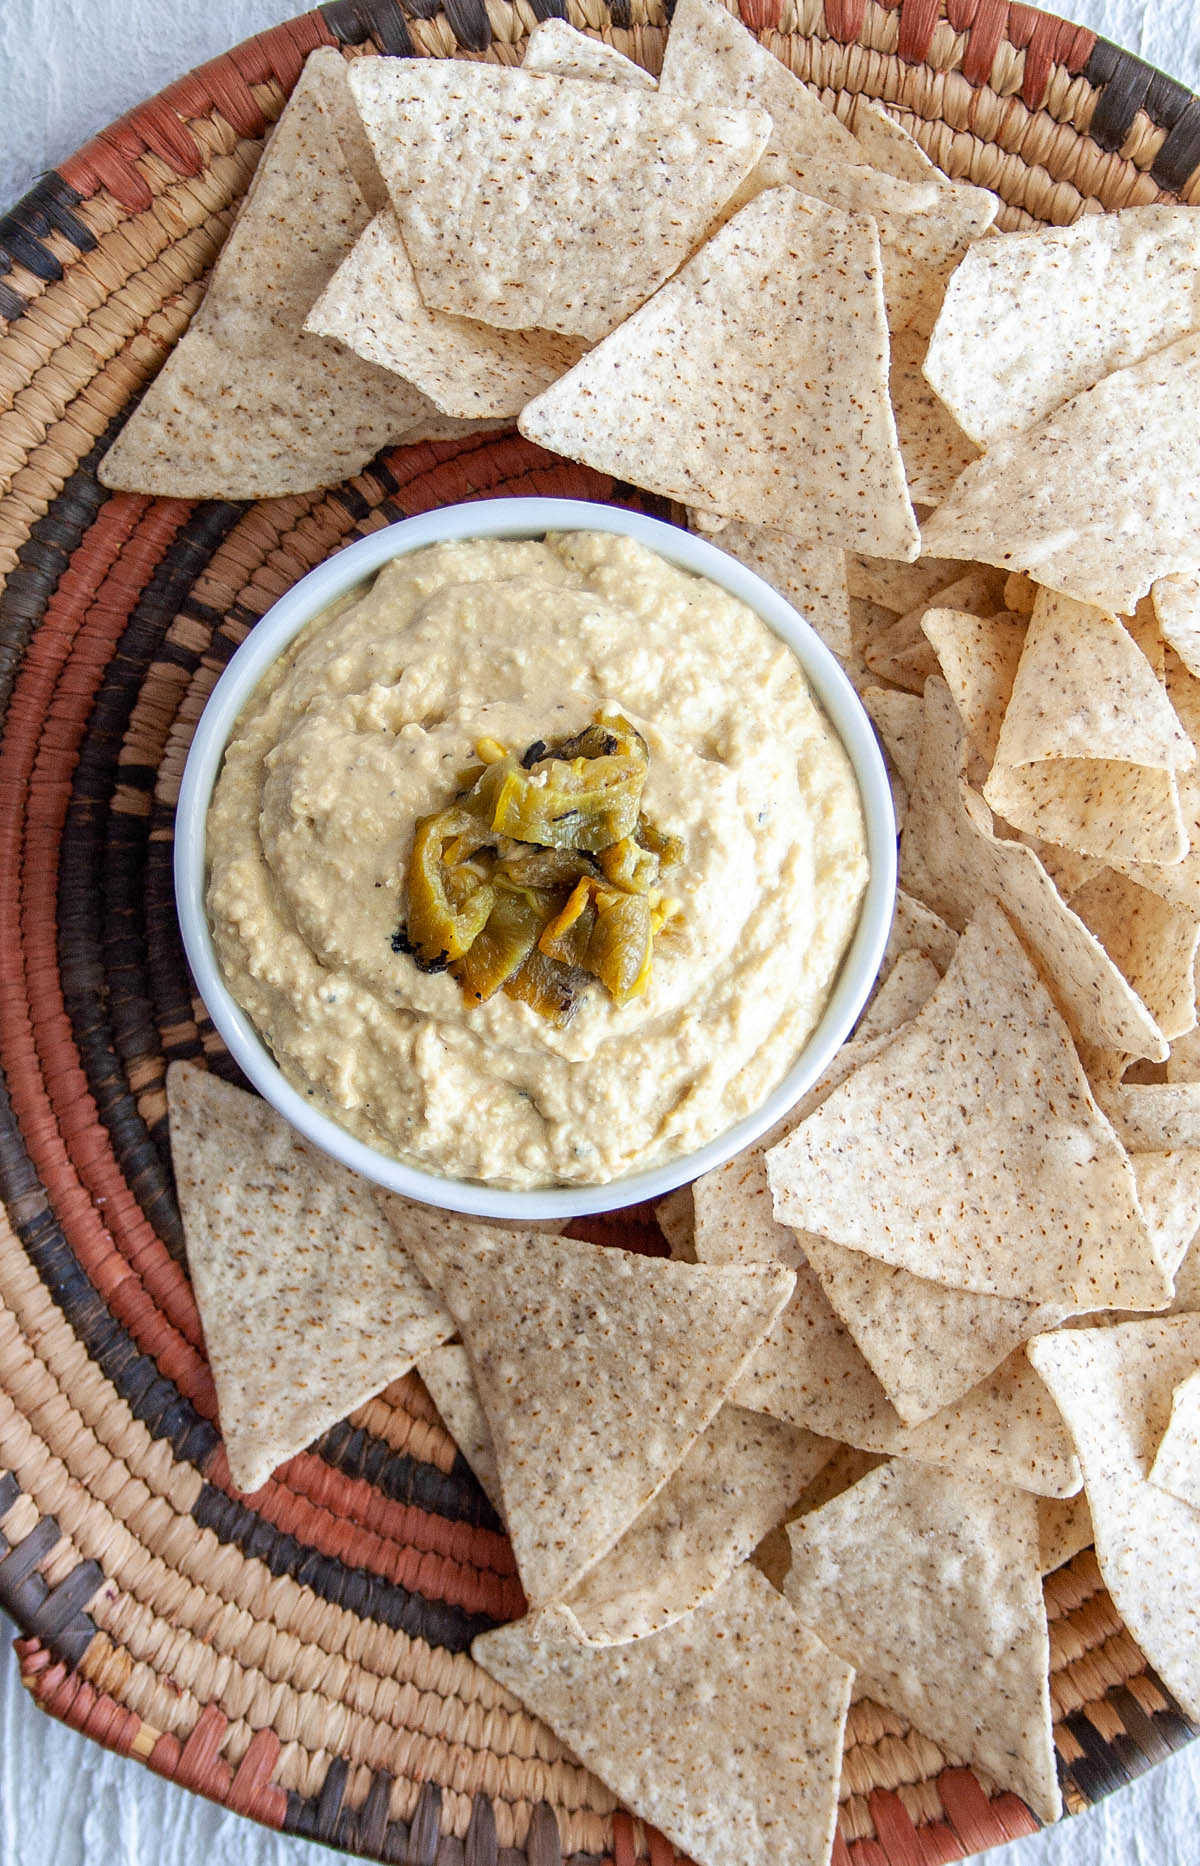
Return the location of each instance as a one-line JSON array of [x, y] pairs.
[[101, 883], [454, 1494], [42, 560], [366, 1595], [549, 9], [468, 21], [101, 863], [353, 22], [1123, 82], [10, 1490], [152, 1398], [1179, 157]]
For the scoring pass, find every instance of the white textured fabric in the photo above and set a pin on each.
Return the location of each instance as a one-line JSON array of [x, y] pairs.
[[67, 67]]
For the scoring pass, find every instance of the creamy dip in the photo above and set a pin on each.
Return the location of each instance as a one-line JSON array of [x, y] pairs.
[[362, 726]]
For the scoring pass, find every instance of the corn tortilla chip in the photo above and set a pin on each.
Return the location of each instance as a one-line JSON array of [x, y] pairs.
[[1153, 942], [1177, 605], [1176, 1466], [978, 656], [446, 1372], [935, 448], [898, 720], [511, 187], [595, 1368], [309, 1306], [951, 858], [899, 587], [248, 405], [1064, 1530], [1168, 1185], [1090, 743], [1153, 1117], [1057, 500], [725, 1730], [1179, 882], [676, 1216], [1030, 319], [556, 47], [916, 928], [907, 985], [692, 400], [1010, 1181], [467, 369], [1114, 1387], [901, 650], [812, 576], [928, 1584]]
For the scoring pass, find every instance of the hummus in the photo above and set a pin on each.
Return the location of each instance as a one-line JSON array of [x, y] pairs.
[[362, 727]]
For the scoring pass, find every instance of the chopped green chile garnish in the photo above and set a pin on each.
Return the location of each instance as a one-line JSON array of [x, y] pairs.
[[543, 874]]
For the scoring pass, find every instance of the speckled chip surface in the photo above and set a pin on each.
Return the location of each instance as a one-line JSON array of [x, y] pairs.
[[928, 1583], [309, 1305], [724, 1731], [1176, 1464], [595, 1368], [735, 388], [513, 189], [972, 1152]]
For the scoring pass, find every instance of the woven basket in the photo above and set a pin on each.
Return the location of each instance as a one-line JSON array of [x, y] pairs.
[[306, 1661]]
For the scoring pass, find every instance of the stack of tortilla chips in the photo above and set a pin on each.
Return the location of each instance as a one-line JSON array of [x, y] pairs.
[[960, 1282]]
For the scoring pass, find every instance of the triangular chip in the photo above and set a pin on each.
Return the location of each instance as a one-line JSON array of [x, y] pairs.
[[676, 1216], [979, 656], [811, 576], [897, 717], [927, 1582], [1030, 319], [972, 1152], [556, 47], [1176, 1464], [247, 405], [1064, 1530], [1114, 1387], [900, 650], [736, 386], [595, 1368], [951, 857], [1090, 742], [1153, 942], [467, 369], [1179, 882], [1177, 606], [908, 984], [725, 1730], [1099, 499], [734, 1485], [512, 187], [935, 448], [309, 1306]]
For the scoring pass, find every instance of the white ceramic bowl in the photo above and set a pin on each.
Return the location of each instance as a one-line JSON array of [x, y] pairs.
[[529, 518]]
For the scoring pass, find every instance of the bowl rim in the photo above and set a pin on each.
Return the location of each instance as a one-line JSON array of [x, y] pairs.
[[530, 518]]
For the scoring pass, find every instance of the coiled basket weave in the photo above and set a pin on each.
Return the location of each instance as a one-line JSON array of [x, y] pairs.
[[306, 1660]]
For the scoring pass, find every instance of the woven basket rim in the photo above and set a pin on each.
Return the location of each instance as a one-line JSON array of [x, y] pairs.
[[996, 67]]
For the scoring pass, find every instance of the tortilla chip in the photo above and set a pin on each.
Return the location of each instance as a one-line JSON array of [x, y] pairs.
[[1153, 1117], [928, 1584], [676, 1215], [725, 1730], [1011, 1183], [1064, 1530], [574, 248], [1055, 501], [1168, 1184], [446, 1372], [1154, 944], [908, 985], [735, 1484], [1177, 605], [1114, 1387], [935, 448], [1176, 1466], [696, 397], [1090, 742], [898, 719], [901, 650], [556, 47], [811, 576], [1179, 882], [916, 928], [927, 1345], [247, 405], [309, 1307], [899, 587], [596, 1369], [1031, 319], [978, 656], [951, 858], [467, 369]]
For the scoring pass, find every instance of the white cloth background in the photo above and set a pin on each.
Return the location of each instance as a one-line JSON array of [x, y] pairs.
[[67, 67]]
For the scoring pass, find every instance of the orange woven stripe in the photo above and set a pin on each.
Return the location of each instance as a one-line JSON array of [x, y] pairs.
[[223, 84], [844, 18]]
